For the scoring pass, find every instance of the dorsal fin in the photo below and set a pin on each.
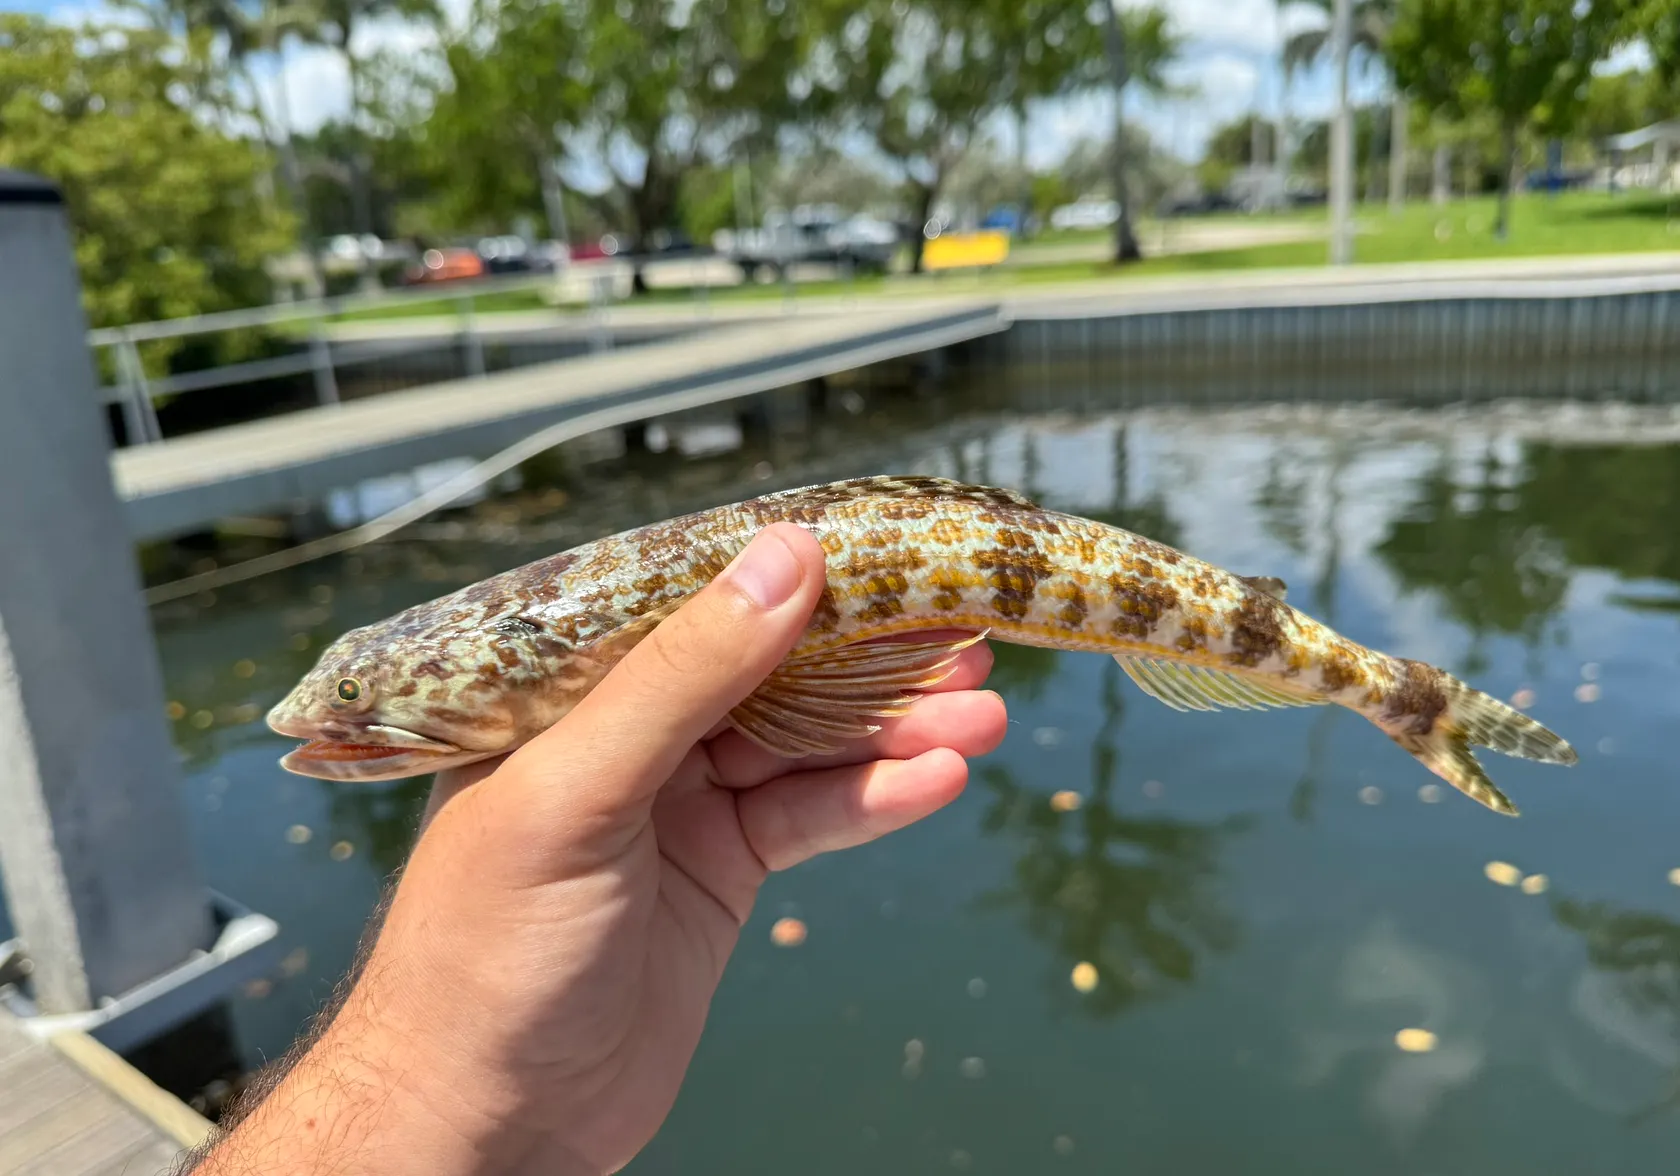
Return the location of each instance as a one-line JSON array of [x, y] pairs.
[[1185, 687], [1270, 585], [909, 486]]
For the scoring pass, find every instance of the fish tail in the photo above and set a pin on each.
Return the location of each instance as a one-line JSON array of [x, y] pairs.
[[1446, 717]]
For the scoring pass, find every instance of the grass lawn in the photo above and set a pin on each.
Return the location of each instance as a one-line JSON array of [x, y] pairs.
[[1570, 223]]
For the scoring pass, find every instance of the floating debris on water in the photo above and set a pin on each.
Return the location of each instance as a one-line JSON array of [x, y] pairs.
[[1047, 736], [1430, 794], [787, 933], [1590, 671], [977, 988], [299, 834], [244, 668], [1674, 876], [300, 641], [1084, 976], [1065, 801], [1416, 1040], [914, 1051], [247, 712], [1503, 873], [763, 470], [1535, 884], [1523, 698], [972, 1068], [175, 711], [341, 851], [1153, 789], [1370, 794], [1607, 746], [1587, 692], [203, 720], [259, 988], [295, 962], [1062, 1145]]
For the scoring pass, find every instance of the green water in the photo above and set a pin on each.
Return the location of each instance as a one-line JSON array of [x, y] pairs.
[[1267, 899]]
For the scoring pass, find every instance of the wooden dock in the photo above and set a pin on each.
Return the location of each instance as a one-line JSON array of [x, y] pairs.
[[70, 1107], [269, 466]]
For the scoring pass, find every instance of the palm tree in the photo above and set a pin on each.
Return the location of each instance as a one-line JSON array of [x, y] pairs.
[[249, 30], [1372, 20], [337, 21]]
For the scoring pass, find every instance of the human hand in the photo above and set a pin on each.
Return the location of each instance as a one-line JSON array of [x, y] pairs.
[[545, 968]]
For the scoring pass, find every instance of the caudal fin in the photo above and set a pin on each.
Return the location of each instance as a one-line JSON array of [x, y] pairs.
[[1472, 718]]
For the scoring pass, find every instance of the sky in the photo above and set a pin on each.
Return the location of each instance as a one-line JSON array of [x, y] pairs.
[[1229, 62]]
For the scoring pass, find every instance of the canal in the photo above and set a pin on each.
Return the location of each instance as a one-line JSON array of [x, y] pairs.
[[1142, 940]]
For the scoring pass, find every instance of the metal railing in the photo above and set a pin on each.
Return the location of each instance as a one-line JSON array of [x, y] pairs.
[[137, 393]]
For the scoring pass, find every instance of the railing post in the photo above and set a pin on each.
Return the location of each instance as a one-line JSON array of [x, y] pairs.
[[95, 854], [473, 341], [139, 390], [320, 351]]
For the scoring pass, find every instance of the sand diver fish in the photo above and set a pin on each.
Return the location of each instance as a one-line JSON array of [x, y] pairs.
[[479, 672]]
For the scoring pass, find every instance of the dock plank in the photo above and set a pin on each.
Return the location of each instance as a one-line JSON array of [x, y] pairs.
[[56, 1120]]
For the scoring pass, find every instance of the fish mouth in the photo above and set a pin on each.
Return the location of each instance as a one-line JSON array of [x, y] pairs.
[[377, 753]]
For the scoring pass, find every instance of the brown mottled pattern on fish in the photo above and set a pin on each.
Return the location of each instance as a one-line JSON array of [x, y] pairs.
[[482, 670]]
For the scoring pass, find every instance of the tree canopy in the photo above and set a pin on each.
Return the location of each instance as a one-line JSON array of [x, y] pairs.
[[1527, 63], [167, 210]]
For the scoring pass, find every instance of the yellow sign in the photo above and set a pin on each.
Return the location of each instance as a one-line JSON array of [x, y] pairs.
[[965, 250]]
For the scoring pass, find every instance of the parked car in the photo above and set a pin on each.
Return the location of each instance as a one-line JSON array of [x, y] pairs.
[[445, 265], [1088, 212], [810, 233]]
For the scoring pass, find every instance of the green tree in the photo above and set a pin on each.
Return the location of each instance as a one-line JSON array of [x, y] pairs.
[[919, 77], [164, 206], [337, 22], [1372, 22], [675, 84], [512, 92], [1137, 46], [1527, 62], [248, 31]]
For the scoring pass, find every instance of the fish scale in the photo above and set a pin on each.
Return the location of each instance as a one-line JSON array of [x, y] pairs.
[[479, 672]]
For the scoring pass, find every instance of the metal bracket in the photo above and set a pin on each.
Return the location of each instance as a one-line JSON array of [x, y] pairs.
[[245, 948]]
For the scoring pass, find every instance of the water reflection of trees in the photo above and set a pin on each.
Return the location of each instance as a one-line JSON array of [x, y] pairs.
[[1499, 547], [1484, 549], [1642, 950], [1132, 895]]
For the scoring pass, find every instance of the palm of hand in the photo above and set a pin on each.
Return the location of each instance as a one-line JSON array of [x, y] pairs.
[[619, 950]]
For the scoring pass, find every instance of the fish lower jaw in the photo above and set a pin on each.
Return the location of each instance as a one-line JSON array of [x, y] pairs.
[[368, 763]]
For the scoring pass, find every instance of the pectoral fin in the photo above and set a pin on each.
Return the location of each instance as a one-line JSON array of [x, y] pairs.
[[815, 705]]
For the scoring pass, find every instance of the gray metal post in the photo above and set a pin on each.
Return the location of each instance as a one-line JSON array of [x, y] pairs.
[[94, 850], [470, 336], [320, 354], [139, 390]]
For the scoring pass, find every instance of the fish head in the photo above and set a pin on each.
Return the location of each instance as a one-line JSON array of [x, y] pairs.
[[424, 692]]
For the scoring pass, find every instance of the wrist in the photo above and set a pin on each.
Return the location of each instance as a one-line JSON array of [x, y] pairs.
[[363, 1100]]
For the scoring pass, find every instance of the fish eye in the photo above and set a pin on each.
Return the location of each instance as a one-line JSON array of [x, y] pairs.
[[349, 689]]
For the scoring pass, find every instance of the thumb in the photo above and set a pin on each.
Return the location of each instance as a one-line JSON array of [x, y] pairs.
[[630, 733]]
